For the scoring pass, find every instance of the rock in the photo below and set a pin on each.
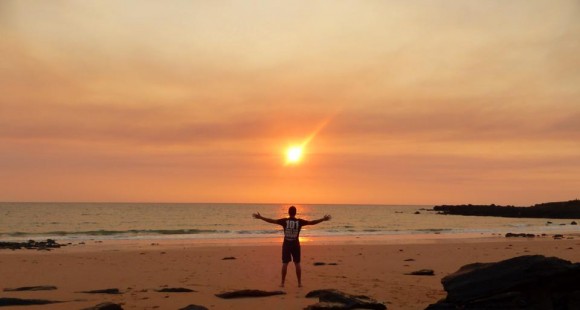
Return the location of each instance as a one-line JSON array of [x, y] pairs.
[[326, 306], [175, 290], [558, 236], [105, 306], [522, 235], [31, 288], [334, 299], [409, 260], [417, 212], [104, 291], [228, 258], [4, 302], [319, 263], [556, 210], [248, 293], [422, 272], [524, 282], [573, 223], [194, 307], [31, 245]]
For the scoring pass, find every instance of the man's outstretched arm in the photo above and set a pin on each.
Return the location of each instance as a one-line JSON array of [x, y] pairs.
[[325, 218], [257, 215]]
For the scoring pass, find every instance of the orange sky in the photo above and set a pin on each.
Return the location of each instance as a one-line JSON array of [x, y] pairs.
[[195, 101]]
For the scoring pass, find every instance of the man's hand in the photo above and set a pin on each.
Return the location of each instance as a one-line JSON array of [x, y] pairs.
[[257, 215], [327, 217]]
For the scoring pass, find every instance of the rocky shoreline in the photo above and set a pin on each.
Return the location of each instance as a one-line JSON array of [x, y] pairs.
[[553, 210]]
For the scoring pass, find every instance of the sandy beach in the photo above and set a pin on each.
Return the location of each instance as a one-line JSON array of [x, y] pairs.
[[140, 268]]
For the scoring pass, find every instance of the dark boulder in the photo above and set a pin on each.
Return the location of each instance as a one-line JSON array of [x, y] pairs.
[[105, 306], [175, 290], [248, 293], [524, 282], [422, 272], [229, 258], [334, 299]]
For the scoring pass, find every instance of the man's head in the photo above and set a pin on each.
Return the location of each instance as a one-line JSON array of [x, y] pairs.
[[292, 211]]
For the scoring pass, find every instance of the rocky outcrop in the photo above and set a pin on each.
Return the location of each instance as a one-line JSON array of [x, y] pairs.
[[557, 210], [334, 299], [31, 245], [524, 282], [248, 293]]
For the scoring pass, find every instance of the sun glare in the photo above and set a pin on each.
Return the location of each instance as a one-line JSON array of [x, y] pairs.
[[293, 154]]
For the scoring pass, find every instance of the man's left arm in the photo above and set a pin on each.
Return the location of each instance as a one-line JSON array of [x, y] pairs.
[[325, 218]]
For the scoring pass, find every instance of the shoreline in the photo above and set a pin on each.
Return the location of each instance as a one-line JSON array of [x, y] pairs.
[[139, 268], [363, 239], [322, 238]]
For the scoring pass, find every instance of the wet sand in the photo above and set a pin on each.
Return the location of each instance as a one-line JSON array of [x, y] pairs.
[[139, 268]]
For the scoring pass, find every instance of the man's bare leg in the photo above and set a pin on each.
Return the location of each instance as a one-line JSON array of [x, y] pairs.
[[299, 274], [284, 271]]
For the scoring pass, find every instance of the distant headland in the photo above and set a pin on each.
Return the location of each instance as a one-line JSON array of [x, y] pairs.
[[556, 210]]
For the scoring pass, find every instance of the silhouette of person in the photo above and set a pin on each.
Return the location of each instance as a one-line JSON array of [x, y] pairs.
[[291, 244]]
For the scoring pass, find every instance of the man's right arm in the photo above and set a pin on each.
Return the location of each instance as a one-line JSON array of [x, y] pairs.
[[257, 215]]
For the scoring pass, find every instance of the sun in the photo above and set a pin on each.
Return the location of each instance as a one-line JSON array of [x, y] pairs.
[[293, 154]]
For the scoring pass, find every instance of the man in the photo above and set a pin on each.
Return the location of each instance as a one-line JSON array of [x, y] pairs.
[[291, 245]]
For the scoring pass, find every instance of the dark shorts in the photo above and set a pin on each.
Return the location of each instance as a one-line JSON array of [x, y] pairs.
[[290, 251]]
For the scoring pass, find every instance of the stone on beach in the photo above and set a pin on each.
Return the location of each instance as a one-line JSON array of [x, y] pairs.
[[105, 306], [521, 235], [248, 293], [194, 307], [5, 302], [524, 282], [31, 288], [175, 290], [113, 291], [422, 272], [334, 299]]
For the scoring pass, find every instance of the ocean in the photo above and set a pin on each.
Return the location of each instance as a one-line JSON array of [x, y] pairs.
[[101, 221]]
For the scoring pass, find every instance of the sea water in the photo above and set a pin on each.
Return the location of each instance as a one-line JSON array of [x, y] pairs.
[[83, 221]]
